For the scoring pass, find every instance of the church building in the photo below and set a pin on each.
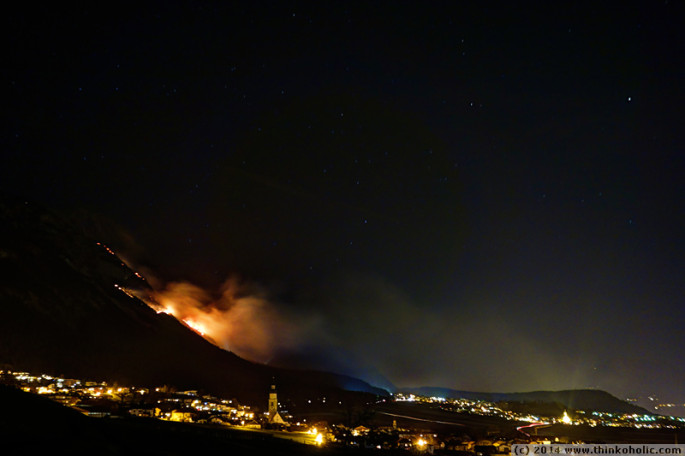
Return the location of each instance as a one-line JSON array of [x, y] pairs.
[[274, 416]]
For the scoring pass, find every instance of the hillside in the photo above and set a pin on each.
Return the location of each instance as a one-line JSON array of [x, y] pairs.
[[595, 400], [63, 313]]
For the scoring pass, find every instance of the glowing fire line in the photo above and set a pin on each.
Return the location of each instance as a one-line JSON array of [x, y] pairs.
[[195, 326], [190, 323]]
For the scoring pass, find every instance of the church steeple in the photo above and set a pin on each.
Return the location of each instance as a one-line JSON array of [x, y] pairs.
[[273, 400], [274, 416]]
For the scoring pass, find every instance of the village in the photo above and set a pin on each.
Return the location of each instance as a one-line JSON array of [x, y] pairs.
[[112, 401]]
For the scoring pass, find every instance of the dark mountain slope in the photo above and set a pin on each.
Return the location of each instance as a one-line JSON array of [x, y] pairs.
[[595, 400], [61, 312]]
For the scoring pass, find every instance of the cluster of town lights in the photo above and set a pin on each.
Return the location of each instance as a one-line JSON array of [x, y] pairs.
[[189, 406], [592, 419]]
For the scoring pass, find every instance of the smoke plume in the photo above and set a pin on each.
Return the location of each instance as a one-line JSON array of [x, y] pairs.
[[238, 318]]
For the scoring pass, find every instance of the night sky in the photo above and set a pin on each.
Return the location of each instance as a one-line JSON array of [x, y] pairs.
[[483, 197]]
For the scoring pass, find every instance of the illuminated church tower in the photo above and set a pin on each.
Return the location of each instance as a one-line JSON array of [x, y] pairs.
[[273, 401], [274, 416]]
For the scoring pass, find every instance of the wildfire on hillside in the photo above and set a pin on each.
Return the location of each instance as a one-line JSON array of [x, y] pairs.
[[237, 319]]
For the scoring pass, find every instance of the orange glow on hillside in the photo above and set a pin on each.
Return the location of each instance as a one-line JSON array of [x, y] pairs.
[[198, 328], [238, 318]]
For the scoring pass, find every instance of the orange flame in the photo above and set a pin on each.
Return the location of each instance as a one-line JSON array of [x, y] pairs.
[[198, 328], [239, 319]]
